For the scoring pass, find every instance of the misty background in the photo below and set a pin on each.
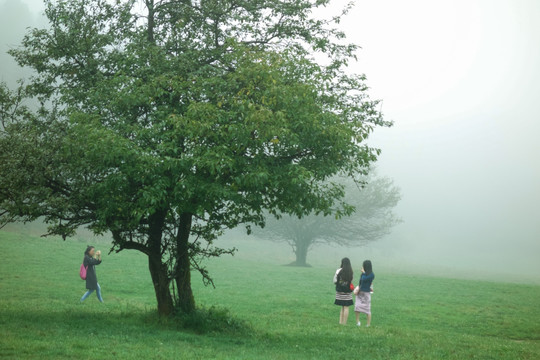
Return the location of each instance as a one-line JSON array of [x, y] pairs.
[[461, 81]]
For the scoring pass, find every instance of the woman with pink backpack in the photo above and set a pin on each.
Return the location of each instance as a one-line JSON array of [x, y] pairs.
[[88, 272]]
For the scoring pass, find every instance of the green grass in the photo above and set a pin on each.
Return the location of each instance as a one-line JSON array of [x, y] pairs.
[[288, 312]]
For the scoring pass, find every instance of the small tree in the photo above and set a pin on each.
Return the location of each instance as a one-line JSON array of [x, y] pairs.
[[167, 127], [372, 219]]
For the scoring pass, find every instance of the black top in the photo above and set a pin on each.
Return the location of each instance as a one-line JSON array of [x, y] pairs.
[[91, 277], [343, 285]]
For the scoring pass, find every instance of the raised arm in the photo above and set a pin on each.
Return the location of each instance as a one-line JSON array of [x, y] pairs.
[[93, 261]]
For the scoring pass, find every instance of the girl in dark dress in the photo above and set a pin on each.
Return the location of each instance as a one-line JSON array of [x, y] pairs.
[[343, 279], [91, 259]]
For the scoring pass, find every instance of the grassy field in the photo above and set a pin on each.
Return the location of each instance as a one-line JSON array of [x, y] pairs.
[[288, 312]]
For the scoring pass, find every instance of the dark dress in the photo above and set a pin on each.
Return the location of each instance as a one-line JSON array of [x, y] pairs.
[[91, 277]]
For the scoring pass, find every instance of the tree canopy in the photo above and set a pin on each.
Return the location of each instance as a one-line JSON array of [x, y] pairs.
[[166, 127]]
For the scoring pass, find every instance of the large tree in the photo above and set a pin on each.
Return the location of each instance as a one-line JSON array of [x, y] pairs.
[[165, 127], [373, 200]]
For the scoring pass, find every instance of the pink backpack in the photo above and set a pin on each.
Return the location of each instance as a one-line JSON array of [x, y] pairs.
[[82, 272]]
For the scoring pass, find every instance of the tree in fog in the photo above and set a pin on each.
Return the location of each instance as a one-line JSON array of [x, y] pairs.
[[165, 128], [372, 219]]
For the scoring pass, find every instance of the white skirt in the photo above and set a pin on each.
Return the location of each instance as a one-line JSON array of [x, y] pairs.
[[363, 303]]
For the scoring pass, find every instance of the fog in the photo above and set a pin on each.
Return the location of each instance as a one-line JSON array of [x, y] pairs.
[[461, 81]]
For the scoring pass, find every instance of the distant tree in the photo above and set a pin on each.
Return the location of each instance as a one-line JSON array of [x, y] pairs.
[[372, 219], [167, 127]]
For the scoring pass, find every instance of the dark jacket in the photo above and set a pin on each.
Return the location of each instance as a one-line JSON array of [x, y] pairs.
[[91, 278]]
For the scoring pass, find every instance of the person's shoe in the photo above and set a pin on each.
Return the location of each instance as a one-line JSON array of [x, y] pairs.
[[359, 324], [368, 325]]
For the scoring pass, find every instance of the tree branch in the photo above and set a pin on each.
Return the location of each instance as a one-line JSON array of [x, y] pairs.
[[123, 244]]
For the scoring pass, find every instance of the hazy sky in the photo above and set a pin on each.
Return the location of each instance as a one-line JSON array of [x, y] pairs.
[[461, 80]]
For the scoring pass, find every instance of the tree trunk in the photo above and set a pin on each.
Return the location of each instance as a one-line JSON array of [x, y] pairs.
[[151, 21], [160, 279], [158, 269], [301, 250], [185, 300]]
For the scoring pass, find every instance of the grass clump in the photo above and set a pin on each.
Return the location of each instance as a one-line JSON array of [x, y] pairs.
[[213, 319]]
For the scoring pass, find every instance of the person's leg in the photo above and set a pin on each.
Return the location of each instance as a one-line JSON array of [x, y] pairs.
[[341, 315], [98, 292], [345, 314], [86, 295], [357, 318], [368, 320]]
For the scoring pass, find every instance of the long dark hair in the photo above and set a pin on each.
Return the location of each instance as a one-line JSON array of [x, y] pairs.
[[88, 248], [346, 272], [368, 268]]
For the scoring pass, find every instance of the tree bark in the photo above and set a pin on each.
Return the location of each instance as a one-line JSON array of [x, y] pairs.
[[160, 279], [151, 21], [186, 301], [158, 269], [301, 250]]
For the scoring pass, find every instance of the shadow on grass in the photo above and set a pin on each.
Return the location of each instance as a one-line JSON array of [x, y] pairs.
[[77, 318], [296, 264]]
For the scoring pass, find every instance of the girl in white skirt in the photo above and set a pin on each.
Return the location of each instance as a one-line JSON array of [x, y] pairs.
[[363, 297]]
